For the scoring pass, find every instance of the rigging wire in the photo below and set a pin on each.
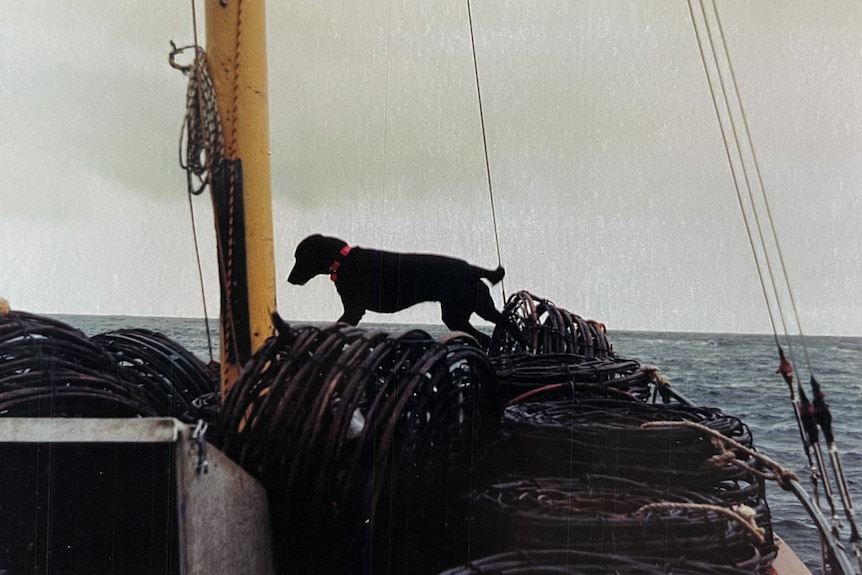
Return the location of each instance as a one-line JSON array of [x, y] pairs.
[[748, 185], [201, 277], [204, 156], [808, 416], [771, 223], [838, 473], [727, 150], [198, 76], [201, 144], [196, 147], [211, 143], [485, 145], [805, 431]]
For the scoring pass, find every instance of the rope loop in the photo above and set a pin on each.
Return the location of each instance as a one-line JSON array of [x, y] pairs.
[[201, 139], [778, 473], [742, 514], [202, 135]]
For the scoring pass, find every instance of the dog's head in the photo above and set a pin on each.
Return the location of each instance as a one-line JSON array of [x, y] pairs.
[[313, 256]]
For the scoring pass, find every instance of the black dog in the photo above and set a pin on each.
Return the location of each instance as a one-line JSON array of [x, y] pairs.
[[388, 282]]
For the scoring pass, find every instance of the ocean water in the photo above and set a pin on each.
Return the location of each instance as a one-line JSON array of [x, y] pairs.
[[731, 371]]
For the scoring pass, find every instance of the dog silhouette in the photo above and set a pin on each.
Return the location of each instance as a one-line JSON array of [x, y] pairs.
[[388, 282]]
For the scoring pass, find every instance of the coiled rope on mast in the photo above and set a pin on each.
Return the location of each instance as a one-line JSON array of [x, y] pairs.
[[201, 140], [808, 415], [201, 144]]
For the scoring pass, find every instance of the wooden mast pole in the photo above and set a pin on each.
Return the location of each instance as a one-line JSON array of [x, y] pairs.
[[236, 51]]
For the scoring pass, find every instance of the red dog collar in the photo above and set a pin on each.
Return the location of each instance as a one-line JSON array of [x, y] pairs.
[[333, 269]]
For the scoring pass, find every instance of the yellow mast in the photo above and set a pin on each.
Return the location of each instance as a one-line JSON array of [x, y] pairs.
[[236, 51]]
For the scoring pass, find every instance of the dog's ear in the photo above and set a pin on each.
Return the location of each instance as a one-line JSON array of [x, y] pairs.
[[319, 246], [310, 240]]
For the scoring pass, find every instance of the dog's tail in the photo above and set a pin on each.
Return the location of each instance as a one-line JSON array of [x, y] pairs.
[[493, 276]]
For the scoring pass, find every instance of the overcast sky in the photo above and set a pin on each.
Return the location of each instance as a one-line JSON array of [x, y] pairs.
[[612, 189]]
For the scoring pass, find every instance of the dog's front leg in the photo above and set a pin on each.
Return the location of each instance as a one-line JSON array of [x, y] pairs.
[[351, 315]]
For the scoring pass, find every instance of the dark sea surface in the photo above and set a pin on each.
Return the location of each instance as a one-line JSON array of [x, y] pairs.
[[733, 372]]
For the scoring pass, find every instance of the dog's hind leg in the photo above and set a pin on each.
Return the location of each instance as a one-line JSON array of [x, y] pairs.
[[351, 315], [485, 307], [458, 319]]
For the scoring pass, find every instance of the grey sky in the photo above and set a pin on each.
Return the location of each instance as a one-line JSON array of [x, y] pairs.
[[613, 194]]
